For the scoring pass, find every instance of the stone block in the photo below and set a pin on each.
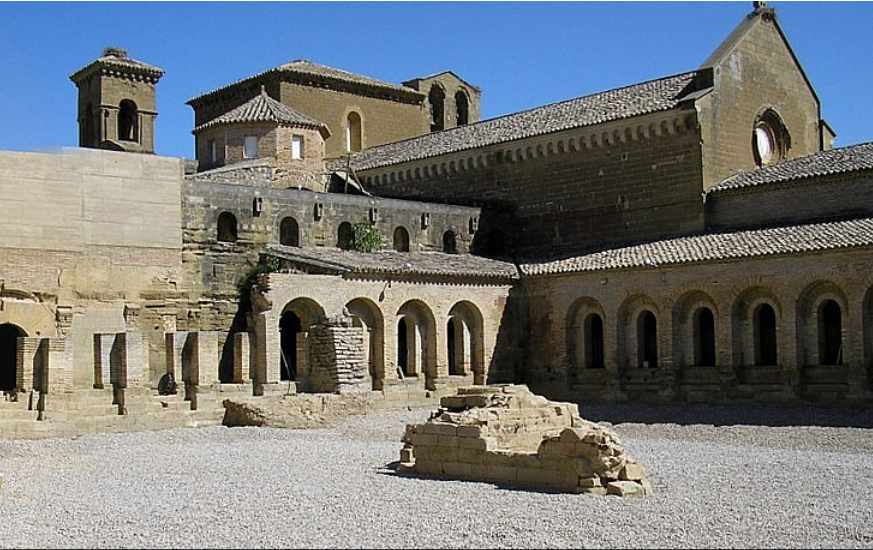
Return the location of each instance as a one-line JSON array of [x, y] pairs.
[[471, 456], [469, 431], [407, 455], [625, 489], [447, 441], [589, 482], [632, 472], [241, 358], [457, 470]]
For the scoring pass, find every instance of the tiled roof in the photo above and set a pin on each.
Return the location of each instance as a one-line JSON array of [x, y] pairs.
[[263, 108], [719, 246], [834, 161], [306, 67], [397, 263], [638, 99], [116, 58]]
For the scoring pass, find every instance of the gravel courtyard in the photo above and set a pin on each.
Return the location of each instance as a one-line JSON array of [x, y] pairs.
[[723, 486]]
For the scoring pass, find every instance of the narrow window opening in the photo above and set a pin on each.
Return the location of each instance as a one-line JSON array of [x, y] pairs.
[[250, 147], [462, 108], [297, 147], [354, 133], [437, 98], [647, 340], [704, 338], [128, 121], [765, 336]]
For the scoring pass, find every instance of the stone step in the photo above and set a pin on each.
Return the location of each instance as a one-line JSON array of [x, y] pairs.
[[81, 409], [16, 414], [18, 429]]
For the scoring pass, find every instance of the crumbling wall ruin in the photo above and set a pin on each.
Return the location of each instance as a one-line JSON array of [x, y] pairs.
[[506, 434]]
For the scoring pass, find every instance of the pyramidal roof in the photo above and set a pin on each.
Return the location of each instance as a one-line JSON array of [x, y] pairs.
[[115, 60], [263, 108]]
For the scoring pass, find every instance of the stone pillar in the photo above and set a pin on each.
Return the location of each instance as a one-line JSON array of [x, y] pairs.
[[788, 348], [128, 359], [241, 358], [267, 349], [857, 375], [104, 346], [27, 363], [58, 366], [337, 357], [206, 351], [175, 343]]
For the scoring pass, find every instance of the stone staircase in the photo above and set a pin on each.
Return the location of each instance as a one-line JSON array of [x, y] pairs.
[[91, 411]]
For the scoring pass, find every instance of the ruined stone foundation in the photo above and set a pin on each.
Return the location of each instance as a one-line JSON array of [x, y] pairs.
[[508, 435]]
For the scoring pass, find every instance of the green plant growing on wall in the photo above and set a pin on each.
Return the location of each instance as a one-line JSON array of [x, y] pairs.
[[367, 238], [266, 264]]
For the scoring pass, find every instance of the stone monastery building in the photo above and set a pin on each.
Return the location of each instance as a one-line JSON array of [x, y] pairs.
[[690, 238]]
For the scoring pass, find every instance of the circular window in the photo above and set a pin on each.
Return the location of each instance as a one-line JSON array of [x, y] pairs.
[[765, 144]]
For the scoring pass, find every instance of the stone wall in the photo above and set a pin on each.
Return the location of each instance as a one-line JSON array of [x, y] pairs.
[[758, 72], [337, 351], [821, 198], [381, 303], [85, 234], [570, 191], [794, 286]]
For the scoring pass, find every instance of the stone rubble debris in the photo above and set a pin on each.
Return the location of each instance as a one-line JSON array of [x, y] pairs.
[[507, 434]]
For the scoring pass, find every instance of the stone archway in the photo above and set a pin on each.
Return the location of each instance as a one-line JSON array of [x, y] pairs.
[[9, 335]]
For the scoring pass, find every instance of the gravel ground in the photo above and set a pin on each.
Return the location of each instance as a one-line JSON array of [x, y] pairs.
[[726, 486]]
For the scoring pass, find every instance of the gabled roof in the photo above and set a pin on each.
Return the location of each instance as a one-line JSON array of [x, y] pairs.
[[824, 163], [389, 262], [263, 108], [620, 103], [736, 36], [719, 246], [434, 75], [116, 59], [306, 68]]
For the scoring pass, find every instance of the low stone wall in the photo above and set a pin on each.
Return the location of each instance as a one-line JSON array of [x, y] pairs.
[[294, 411], [506, 434]]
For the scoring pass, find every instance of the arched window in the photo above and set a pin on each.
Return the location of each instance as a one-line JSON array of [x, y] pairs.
[[289, 334], [354, 132], [647, 340], [289, 234], [401, 240], [593, 327], [450, 243], [704, 338], [345, 236], [764, 326], [9, 335], [830, 333], [462, 108], [455, 344], [403, 334], [227, 230], [770, 138], [128, 121], [437, 100]]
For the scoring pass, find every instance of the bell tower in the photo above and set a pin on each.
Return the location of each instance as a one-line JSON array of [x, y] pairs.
[[117, 103]]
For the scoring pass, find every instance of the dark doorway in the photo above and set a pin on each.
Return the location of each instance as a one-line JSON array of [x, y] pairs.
[[227, 228], [830, 333], [765, 336], [402, 347], [401, 240], [345, 236], [704, 338], [289, 330], [289, 233], [594, 342], [450, 243], [451, 337], [9, 355], [647, 339]]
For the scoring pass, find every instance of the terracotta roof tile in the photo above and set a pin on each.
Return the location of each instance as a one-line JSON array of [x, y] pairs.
[[835, 161], [397, 263], [263, 108], [638, 99], [718, 246]]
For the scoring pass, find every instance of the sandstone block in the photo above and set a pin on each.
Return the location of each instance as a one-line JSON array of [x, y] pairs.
[[632, 472], [407, 455], [589, 482], [624, 489]]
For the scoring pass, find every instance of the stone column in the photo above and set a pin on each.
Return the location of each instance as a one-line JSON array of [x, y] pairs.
[[856, 370], [104, 346], [206, 351], [175, 343], [58, 366], [786, 331], [241, 358], [27, 363]]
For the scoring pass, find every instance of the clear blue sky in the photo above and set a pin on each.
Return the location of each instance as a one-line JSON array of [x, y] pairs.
[[520, 54]]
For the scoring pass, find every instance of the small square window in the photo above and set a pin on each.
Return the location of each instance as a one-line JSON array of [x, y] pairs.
[[250, 151], [296, 147], [213, 152]]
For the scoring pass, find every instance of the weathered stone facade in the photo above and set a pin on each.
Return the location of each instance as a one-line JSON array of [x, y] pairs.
[[692, 237]]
